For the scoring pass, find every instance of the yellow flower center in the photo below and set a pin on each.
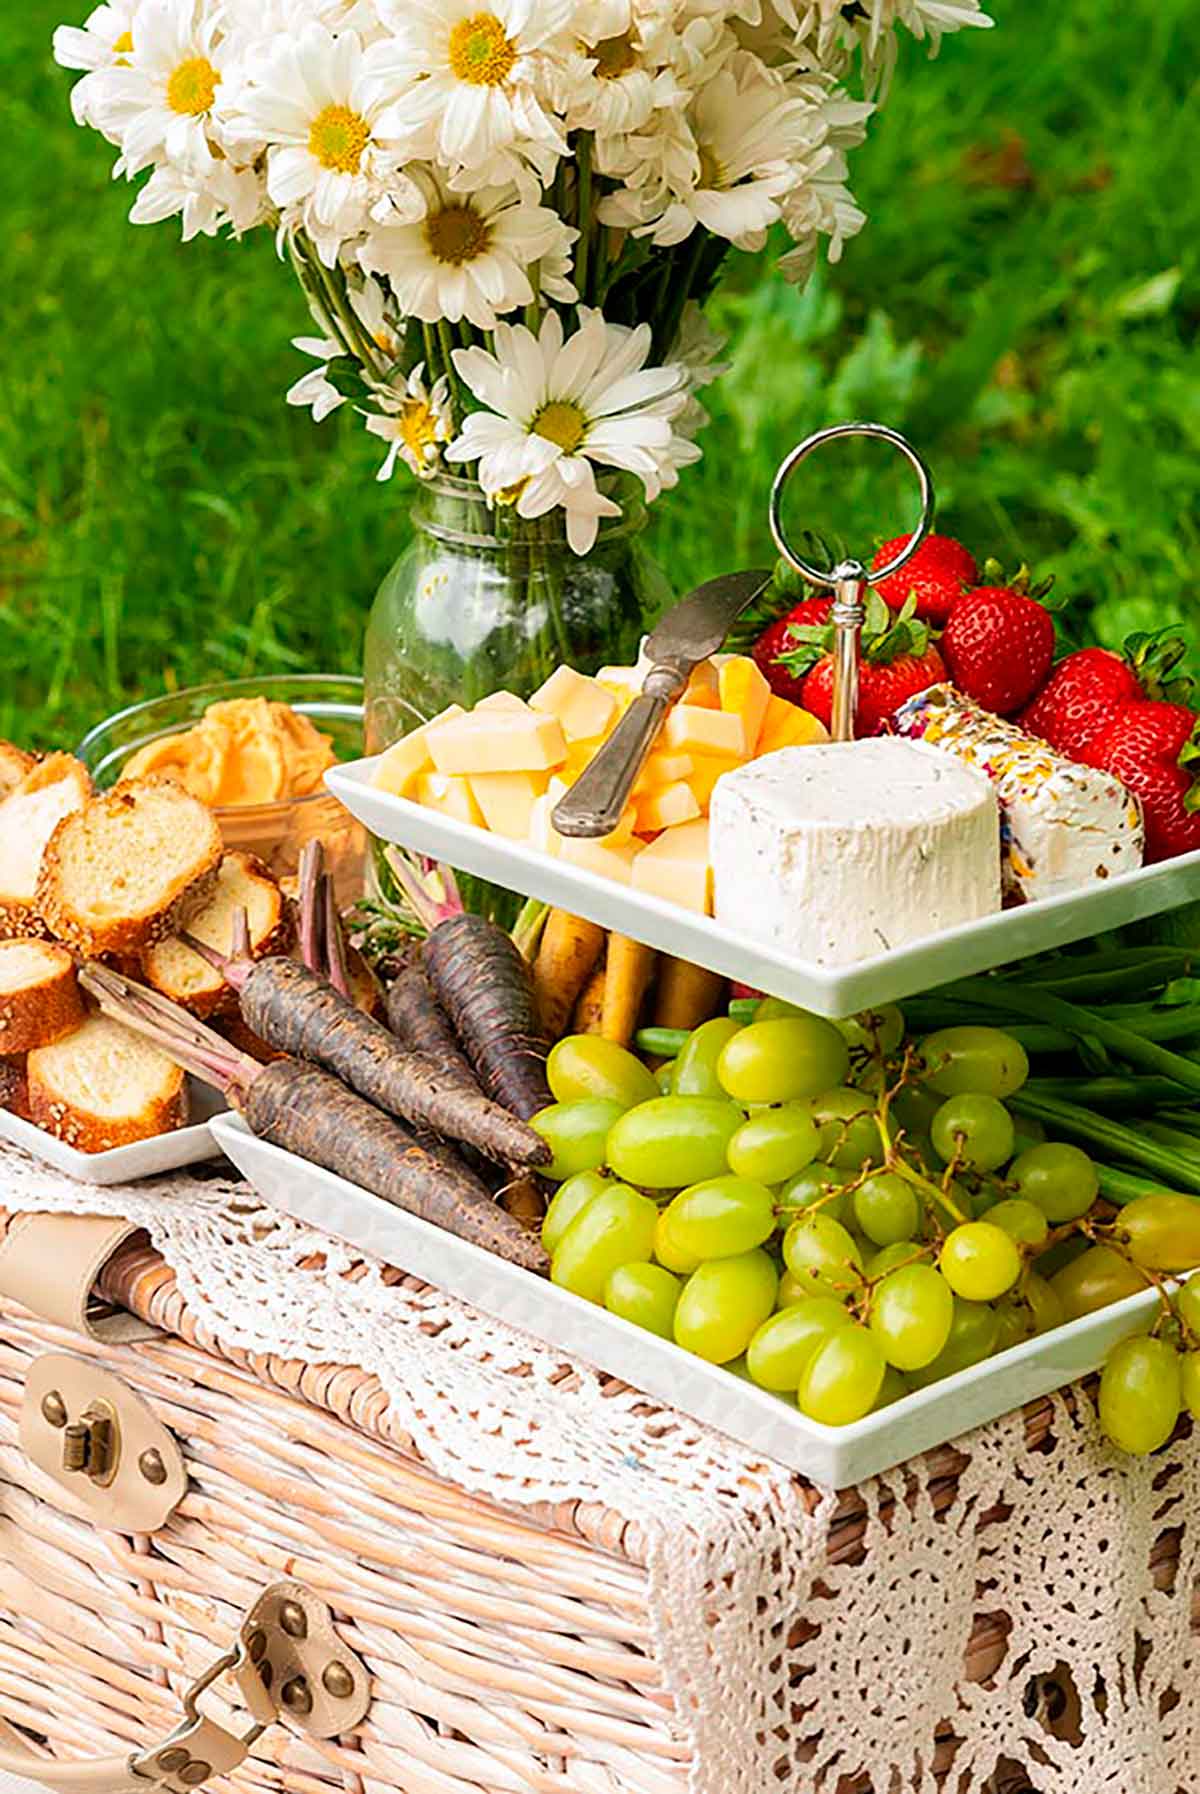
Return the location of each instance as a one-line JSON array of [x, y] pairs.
[[614, 57], [123, 48], [480, 52], [337, 138], [193, 86], [712, 175], [456, 234], [562, 423], [418, 427]]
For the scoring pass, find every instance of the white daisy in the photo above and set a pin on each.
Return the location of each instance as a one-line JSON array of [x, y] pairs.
[[158, 101], [469, 82], [205, 198], [375, 311], [313, 389], [103, 41], [557, 408], [327, 162], [416, 424], [620, 72], [469, 256]]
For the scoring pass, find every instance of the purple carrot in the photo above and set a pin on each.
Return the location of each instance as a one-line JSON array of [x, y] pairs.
[[416, 1018]]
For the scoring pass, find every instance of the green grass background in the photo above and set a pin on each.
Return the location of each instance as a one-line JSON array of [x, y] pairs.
[[1024, 302]]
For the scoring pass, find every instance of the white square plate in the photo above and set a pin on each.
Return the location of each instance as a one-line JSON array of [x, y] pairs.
[[828, 990], [125, 1164]]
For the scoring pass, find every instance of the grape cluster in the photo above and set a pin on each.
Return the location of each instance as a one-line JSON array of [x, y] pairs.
[[842, 1215]]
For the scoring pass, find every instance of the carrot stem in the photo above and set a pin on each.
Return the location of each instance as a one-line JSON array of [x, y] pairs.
[[176, 1033], [312, 861], [335, 946]]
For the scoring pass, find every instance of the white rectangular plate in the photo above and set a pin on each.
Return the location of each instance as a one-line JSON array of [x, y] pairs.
[[125, 1164], [835, 1456], [829, 990]]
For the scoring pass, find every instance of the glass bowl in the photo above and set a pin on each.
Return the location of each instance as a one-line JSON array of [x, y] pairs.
[[275, 831]]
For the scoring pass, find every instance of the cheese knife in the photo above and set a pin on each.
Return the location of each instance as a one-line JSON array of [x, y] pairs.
[[691, 630]]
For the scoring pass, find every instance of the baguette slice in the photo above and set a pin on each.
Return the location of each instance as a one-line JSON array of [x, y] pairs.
[[104, 1086], [52, 789], [39, 994], [129, 868], [243, 882], [15, 763], [14, 1088]]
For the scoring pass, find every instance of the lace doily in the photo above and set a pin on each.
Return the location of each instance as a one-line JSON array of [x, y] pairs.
[[801, 1646]]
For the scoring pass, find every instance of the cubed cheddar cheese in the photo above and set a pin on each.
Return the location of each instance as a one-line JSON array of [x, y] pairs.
[[788, 725], [662, 769], [401, 765], [702, 688], [451, 794], [506, 800], [503, 700], [676, 867], [624, 684], [584, 708], [666, 808], [542, 833], [599, 856], [497, 740], [706, 770], [692, 730], [745, 693]]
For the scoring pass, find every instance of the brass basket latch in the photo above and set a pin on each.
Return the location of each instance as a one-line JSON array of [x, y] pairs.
[[91, 1445], [101, 1443]]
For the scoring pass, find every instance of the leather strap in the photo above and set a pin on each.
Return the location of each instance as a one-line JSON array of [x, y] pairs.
[[50, 1263]]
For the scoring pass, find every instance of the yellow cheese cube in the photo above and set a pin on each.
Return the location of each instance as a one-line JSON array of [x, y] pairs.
[[402, 764], [449, 793], [702, 688], [676, 867], [662, 769], [696, 731], [706, 770], [745, 693], [542, 833], [666, 808], [787, 725], [579, 753], [583, 706], [598, 856], [507, 799], [501, 700], [497, 741]]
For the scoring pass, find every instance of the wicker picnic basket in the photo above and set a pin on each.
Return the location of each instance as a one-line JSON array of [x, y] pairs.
[[372, 1625]]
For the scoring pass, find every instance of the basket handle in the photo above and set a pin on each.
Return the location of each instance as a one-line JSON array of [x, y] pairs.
[[286, 1658], [49, 1264]]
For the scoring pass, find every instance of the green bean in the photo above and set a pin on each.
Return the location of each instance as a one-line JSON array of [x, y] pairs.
[[1125, 1186], [661, 1043], [1092, 1130], [1098, 1093], [1154, 963], [1172, 1136]]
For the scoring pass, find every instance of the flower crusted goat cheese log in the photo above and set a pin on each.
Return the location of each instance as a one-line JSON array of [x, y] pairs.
[[1062, 825]]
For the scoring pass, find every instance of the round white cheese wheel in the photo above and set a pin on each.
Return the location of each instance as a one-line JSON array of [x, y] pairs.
[[842, 851]]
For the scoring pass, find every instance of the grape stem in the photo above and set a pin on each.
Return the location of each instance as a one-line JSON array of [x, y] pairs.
[[894, 1159]]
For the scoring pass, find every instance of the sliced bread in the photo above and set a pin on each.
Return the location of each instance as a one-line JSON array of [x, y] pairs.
[[14, 1089], [39, 994], [104, 1086], [48, 792], [14, 764], [243, 882], [129, 868]]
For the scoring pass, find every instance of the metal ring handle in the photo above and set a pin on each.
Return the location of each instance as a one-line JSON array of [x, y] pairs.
[[826, 576]]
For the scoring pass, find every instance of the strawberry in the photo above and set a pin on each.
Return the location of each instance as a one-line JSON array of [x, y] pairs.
[[897, 661], [1151, 747], [938, 573], [1086, 690], [777, 638], [998, 644]]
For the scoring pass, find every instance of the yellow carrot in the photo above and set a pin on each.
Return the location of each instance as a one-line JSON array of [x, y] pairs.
[[566, 958], [589, 1010], [685, 995], [630, 969], [523, 1200]]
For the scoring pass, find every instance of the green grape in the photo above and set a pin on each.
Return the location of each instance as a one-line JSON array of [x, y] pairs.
[[1095, 1279], [582, 1065], [893, 1389], [566, 1203], [1189, 1377], [843, 1377], [979, 1261], [872, 1030], [817, 1184], [616, 1228], [1022, 1221], [1061, 1179], [773, 1145], [664, 1076], [783, 1061], [723, 1304], [781, 1348], [1015, 1322], [1045, 1303], [818, 1250], [1162, 1232], [974, 1335], [977, 1130], [890, 1258], [792, 1289], [974, 1061], [913, 1109], [577, 1134], [774, 1009], [1062, 1253], [645, 1294], [696, 1064], [849, 1130], [667, 1254], [737, 1368], [911, 1313], [964, 1201], [1141, 1394], [886, 1209], [720, 1218], [672, 1141], [1187, 1301], [1027, 1132]]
